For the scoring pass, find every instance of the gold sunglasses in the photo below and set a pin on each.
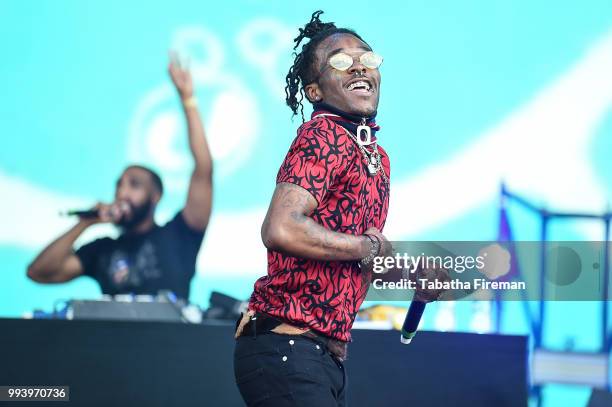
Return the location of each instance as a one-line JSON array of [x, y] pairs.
[[342, 61]]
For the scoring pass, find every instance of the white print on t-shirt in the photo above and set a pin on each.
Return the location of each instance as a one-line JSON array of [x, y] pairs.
[[131, 271]]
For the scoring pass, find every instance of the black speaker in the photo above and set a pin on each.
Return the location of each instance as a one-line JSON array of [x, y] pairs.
[[224, 307], [600, 398]]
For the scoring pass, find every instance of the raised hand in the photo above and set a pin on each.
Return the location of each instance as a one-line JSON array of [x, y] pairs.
[[179, 73]]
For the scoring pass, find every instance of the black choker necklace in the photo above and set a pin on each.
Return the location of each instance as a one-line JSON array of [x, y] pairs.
[[352, 122], [355, 118]]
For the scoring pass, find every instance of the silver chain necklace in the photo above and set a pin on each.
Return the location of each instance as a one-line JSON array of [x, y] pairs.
[[372, 158]]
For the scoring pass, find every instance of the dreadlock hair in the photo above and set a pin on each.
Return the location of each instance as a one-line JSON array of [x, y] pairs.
[[303, 72]]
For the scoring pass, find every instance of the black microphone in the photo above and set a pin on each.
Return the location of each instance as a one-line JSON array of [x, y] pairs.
[[86, 214], [411, 323]]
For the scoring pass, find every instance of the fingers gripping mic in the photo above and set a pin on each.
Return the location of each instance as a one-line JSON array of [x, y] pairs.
[[411, 323]]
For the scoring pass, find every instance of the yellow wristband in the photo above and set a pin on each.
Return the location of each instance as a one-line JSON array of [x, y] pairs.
[[190, 102]]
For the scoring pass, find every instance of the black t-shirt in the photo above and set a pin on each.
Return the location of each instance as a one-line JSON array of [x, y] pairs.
[[163, 258]]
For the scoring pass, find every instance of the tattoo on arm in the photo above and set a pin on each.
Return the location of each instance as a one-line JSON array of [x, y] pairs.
[[291, 207]]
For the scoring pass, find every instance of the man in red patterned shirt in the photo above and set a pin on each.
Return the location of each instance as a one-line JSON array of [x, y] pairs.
[[322, 230]]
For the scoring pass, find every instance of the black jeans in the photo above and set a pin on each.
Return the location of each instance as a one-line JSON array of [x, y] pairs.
[[274, 370]]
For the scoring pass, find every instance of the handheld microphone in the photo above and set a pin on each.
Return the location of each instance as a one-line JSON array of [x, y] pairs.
[[87, 214], [411, 323]]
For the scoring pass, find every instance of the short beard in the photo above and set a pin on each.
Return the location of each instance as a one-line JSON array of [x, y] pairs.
[[139, 214]]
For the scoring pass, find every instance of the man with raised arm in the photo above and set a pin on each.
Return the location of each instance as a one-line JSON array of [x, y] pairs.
[[145, 258]]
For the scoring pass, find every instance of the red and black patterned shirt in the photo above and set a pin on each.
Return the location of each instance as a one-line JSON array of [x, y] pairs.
[[325, 295]]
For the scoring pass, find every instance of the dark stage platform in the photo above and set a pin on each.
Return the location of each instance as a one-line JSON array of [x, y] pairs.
[[169, 364]]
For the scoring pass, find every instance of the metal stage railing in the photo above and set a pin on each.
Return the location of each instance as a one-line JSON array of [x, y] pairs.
[[546, 217]]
